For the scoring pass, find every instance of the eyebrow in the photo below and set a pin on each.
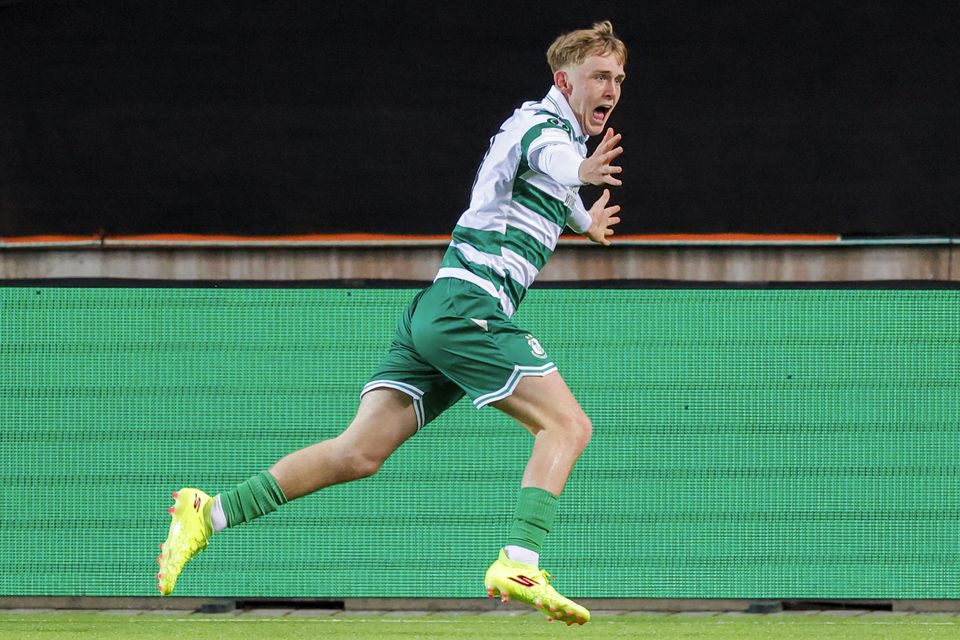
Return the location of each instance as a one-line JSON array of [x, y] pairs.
[[621, 76]]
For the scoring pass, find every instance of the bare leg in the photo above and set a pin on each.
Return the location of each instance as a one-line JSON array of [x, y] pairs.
[[561, 430], [384, 421]]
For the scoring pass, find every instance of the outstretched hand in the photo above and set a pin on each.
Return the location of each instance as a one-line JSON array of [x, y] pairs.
[[604, 218], [597, 168]]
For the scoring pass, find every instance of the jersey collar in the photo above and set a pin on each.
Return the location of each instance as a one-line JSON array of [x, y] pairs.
[[559, 105]]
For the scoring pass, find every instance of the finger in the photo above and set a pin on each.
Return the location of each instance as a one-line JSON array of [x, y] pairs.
[[604, 198], [600, 150], [609, 142], [608, 179], [611, 168], [610, 155], [612, 221], [615, 209]]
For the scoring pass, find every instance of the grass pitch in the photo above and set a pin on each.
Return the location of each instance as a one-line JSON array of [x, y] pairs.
[[107, 626]]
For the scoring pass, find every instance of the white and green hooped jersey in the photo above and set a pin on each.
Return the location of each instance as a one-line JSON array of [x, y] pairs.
[[517, 211]]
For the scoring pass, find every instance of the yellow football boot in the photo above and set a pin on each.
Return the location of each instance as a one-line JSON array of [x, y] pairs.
[[526, 583], [190, 529]]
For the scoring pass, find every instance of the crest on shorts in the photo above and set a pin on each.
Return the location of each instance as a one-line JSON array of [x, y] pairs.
[[535, 347]]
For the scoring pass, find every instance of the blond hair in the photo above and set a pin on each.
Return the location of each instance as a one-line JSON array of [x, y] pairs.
[[573, 48]]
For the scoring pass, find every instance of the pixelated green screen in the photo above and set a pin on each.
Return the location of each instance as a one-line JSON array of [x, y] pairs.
[[747, 443]]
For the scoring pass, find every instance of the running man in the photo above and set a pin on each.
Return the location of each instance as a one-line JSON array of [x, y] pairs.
[[456, 337]]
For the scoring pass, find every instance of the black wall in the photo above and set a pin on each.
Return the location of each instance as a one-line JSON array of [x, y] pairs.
[[323, 117]]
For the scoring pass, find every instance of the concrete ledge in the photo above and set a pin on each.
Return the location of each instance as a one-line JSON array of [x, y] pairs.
[[691, 263]]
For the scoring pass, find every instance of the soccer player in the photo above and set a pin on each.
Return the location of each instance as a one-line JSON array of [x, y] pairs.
[[457, 336]]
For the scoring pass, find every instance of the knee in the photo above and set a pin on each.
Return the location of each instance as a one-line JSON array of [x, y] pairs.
[[357, 463], [578, 430], [364, 466]]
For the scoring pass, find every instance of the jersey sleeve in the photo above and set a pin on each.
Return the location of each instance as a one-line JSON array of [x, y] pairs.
[[579, 219], [548, 148], [559, 161]]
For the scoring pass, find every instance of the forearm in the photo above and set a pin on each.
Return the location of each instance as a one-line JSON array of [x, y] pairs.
[[580, 219], [558, 161]]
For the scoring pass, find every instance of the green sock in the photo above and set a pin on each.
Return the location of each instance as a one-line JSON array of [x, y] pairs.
[[252, 498], [536, 509]]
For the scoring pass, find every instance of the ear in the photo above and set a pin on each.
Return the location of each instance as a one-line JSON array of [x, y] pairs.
[[562, 81]]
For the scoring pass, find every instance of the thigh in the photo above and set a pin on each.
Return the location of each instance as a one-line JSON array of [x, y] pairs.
[[385, 419], [430, 392], [542, 402]]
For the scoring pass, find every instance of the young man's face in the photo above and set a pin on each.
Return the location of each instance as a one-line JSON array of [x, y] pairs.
[[592, 89]]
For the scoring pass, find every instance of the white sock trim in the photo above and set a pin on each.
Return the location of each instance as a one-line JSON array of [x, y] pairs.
[[522, 554], [217, 515]]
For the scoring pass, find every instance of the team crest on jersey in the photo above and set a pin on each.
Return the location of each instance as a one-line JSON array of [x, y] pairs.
[[535, 347], [560, 123]]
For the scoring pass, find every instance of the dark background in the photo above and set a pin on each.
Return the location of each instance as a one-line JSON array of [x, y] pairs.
[[325, 117]]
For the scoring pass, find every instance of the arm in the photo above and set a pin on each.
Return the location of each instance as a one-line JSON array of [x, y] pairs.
[[597, 168], [580, 219], [602, 218], [560, 160]]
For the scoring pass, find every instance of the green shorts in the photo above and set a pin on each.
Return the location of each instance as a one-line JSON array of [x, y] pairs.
[[453, 340]]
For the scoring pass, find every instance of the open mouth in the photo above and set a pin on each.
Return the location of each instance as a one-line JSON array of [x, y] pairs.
[[600, 113]]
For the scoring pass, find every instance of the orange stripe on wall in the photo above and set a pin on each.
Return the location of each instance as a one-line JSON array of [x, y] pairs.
[[721, 237], [331, 237], [49, 238]]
